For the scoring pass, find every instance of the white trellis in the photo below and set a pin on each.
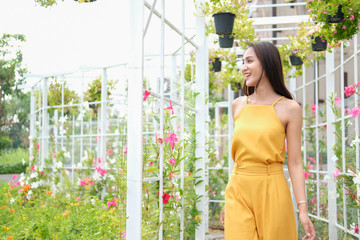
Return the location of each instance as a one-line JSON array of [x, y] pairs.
[[333, 83]]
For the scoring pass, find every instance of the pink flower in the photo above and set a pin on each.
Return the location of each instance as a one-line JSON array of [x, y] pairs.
[[165, 198], [309, 166], [99, 159], [313, 200], [101, 171], [352, 17], [295, 52], [355, 112], [14, 177], [111, 189], [172, 161], [171, 107], [213, 193], [349, 91], [33, 168], [110, 151], [150, 163], [347, 111], [125, 152], [322, 194], [124, 234], [18, 184], [111, 203], [82, 183], [38, 147], [178, 128], [146, 94], [306, 174], [337, 102], [310, 1], [313, 108], [356, 229], [171, 139], [336, 173], [356, 85], [177, 197], [311, 159], [335, 32], [344, 27], [78, 198]]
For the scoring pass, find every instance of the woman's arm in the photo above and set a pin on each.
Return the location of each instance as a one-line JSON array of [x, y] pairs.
[[295, 165]]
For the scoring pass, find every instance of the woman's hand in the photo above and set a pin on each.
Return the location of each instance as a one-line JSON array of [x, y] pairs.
[[308, 225], [222, 216]]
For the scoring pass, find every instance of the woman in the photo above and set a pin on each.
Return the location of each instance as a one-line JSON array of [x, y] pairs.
[[258, 204]]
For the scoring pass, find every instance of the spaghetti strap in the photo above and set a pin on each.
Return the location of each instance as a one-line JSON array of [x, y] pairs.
[[277, 100], [246, 102]]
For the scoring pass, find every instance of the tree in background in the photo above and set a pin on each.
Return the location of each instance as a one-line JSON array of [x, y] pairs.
[[14, 103]]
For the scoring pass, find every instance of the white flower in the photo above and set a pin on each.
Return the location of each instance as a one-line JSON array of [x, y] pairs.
[[35, 185], [30, 192], [356, 179], [63, 149], [62, 131], [34, 175], [23, 161], [334, 158], [92, 201], [59, 164], [349, 123], [356, 140], [63, 119], [222, 193], [67, 154], [186, 136], [218, 166], [327, 178], [12, 201], [112, 161], [31, 158], [351, 172], [96, 176], [22, 177], [31, 138], [68, 196]]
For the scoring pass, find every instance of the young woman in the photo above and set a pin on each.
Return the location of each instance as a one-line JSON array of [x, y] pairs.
[[258, 204]]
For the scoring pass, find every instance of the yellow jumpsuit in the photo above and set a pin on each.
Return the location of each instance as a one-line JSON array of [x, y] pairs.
[[258, 203]]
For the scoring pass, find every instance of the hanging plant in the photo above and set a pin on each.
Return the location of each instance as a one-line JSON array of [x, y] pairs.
[[318, 43], [226, 41], [321, 11], [338, 17], [224, 23], [216, 65], [295, 60]]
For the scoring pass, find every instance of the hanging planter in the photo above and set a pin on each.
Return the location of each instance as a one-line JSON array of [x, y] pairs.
[[224, 23], [338, 17], [84, 1], [295, 60], [319, 45], [226, 41], [216, 65]]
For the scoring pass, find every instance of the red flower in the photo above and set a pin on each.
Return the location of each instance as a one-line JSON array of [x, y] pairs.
[[146, 94], [165, 198]]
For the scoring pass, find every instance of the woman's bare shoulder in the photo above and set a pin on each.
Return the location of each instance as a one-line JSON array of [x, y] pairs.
[[291, 107]]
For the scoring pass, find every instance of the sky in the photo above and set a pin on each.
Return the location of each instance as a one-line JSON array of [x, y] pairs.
[[68, 35]]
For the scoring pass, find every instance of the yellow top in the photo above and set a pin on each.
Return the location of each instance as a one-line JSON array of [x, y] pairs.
[[259, 136]]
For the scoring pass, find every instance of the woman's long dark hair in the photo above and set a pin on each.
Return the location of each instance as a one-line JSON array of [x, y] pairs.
[[270, 60]]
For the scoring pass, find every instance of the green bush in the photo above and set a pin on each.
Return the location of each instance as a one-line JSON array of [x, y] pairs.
[[5, 142], [11, 161]]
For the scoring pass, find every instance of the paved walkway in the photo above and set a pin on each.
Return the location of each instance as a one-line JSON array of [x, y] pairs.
[[7, 177]]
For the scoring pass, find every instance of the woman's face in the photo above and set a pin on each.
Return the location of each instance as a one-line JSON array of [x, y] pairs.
[[251, 67]]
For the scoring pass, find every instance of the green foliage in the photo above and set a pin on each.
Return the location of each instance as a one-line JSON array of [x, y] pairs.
[[319, 10], [13, 108], [93, 94], [11, 161], [5, 142], [56, 93]]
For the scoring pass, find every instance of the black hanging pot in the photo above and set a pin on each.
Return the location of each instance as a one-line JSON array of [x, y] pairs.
[[295, 60], [224, 23], [85, 1], [226, 41], [338, 17], [217, 65], [319, 45]]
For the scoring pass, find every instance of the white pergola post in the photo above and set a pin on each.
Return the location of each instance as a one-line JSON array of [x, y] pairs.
[[330, 119], [231, 129], [32, 119], [134, 131], [103, 117], [45, 122], [200, 152]]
